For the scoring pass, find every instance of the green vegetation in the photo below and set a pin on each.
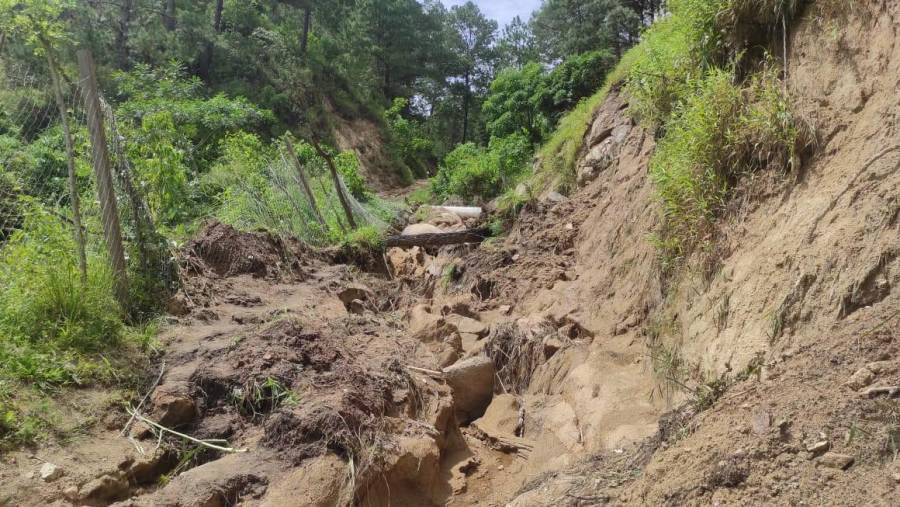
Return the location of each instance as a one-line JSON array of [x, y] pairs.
[[715, 128]]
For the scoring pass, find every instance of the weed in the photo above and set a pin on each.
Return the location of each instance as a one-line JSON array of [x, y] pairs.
[[366, 238], [723, 309], [257, 398]]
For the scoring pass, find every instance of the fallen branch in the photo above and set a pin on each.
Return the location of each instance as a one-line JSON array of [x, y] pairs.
[[438, 238], [205, 443], [872, 392], [162, 369]]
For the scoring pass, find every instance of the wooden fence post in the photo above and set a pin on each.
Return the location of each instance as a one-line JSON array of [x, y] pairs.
[[105, 190], [303, 181], [345, 203]]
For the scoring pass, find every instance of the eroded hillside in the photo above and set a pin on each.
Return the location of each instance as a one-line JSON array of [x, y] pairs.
[[561, 364]]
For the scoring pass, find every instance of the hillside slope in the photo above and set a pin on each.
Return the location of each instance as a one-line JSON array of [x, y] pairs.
[[800, 297]]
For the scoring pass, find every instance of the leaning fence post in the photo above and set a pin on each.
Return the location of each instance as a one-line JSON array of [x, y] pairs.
[[105, 190], [303, 181]]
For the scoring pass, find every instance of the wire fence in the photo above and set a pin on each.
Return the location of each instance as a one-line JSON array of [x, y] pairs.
[[48, 209]]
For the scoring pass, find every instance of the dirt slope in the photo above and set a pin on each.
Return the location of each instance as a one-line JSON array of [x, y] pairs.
[[553, 366], [803, 285]]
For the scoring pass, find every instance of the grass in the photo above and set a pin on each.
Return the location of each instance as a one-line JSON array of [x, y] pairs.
[[57, 331], [559, 153]]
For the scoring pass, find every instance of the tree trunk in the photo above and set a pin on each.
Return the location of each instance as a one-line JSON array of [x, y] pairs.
[[74, 197], [206, 59], [169, 15], [122, 34], [465, 132], [345, 203], [304, 42], [438, 239], [217, 16]]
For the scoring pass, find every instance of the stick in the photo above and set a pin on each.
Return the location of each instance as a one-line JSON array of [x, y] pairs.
[[182, 435], [162, 369], [432, 373]]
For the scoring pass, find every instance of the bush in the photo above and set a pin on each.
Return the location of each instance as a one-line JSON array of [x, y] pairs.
[[577, 77], [475, 174]]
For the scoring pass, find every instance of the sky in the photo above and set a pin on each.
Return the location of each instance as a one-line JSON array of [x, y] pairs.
[[502, 10]]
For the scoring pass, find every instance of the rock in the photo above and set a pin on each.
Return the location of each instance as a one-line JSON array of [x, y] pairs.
[[422, 321], [148, 469], [448, 357], [172, 406], [406, 262], [71, 493], [882, 367], [836, 460], [819, 447], [353, 292], [862, 378], [317, 482], [472, 381], [415, 229], [106, 488], [356, 307], [501, 417], [178, 305], [50, 472], [761, 422], [467, 325], [554, 197], [469, 341], [417, 462], [446, 221], [551, 346], [454, 341]]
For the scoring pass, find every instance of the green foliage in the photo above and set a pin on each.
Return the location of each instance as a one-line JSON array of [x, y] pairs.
[[474, 173], [348, 168], [365, 238], [673, 55], [567, 27], [511, 106], [408, 138], [560, 152], [577, 77], [689, 167], [715, 128], [44, 304]]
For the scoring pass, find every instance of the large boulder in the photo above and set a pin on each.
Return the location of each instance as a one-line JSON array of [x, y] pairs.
[[472, 381], [416, 229]]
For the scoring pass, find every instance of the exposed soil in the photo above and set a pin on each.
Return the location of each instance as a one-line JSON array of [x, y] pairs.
[[553, 366]]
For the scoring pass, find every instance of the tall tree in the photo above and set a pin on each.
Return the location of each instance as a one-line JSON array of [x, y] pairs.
[[516, 46], [568, 27], [475, 54]]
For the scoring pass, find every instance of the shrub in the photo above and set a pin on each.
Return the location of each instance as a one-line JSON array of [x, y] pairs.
[[474, 173], [408, 138]]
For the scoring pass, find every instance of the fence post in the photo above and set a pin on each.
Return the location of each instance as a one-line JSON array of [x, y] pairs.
[[70, 158], [105, 190], [303, 181], [345, 203]]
